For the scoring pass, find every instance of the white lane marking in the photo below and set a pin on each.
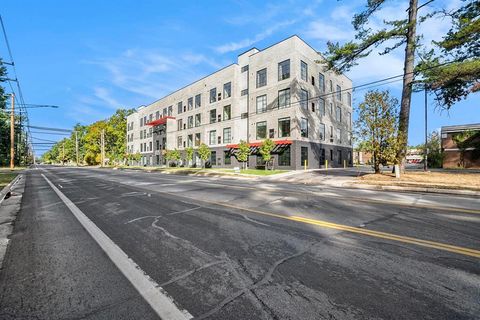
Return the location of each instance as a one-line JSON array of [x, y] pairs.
[[155, 295]]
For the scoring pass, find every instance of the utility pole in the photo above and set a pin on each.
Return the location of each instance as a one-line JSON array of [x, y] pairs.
[[425, 164], [63, 153], [12, 133], [76, 145], [102, 142]]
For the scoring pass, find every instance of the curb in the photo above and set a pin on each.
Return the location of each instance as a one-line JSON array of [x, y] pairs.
[[413, 189], [7, 189]]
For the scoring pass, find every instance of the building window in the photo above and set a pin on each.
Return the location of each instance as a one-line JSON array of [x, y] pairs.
[[331, 155], [141, 147], [150, 117], [141, 134], [304, 127], [339, 93], [158, 144], [213, 95], [170, 111], [331, 85], [244, 68], [349, 99], [212, 137], [321, 131], [227, 90], [198, 119], [227, 157], [157, 115], [227, 135], [179, 142], [339, 135], [190, 103], [284, 98], [338, 114], [349, 119], [349, 137], [262, 104], [179, 107], [150, 147], [213, 158], [179, 124], [321, 82], [284, 127], [304, 99], [190, 122], [244, 92], [262, 78], [164, 113], [190, 140], [141, 122], [261, 130], [284, 157], [227, 113], [313, 80], [198, 101], [213, 115], [304, 156], [331, 109], [197, 139], [321, 107], [303, 70], [284, 70], [339, 156]]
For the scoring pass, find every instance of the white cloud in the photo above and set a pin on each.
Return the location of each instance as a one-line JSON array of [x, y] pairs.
[[233, 46], [320, 30], [104, 95]]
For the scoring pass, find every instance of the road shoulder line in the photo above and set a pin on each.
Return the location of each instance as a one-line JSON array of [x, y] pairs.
[[156, 296]]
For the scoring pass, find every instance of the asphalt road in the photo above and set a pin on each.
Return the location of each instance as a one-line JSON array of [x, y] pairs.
[[232, 249]]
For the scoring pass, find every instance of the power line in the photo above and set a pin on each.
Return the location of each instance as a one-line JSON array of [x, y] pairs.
[[50, 129]]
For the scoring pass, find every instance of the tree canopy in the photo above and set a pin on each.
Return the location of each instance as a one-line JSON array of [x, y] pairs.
[[89, 142]]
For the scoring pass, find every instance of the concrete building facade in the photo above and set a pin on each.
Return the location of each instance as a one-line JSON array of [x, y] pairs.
[[282, 92]]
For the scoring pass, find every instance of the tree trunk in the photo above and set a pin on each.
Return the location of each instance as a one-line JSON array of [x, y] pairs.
[[408, 76]]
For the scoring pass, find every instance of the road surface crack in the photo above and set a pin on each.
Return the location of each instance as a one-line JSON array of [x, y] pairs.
[[265, 279]]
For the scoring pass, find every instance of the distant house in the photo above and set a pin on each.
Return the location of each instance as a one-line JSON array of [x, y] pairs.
[[461, 146]]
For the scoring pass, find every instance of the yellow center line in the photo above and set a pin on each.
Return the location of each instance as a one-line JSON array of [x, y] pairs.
[[378, 201], [377, 234]]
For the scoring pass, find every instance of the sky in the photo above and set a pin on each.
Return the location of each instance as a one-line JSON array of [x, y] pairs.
[[92, 57]]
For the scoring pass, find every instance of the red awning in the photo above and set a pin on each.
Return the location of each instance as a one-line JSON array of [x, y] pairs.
[[258, 144], [157, 122]]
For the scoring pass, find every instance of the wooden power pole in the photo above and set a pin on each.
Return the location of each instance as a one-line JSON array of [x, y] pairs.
[[12, 133], [76, 145], [102, 143]]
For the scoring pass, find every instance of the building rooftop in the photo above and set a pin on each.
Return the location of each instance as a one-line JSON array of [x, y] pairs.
[[462, 127]]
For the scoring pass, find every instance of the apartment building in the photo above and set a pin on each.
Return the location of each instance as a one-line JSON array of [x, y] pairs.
[[282, 92]]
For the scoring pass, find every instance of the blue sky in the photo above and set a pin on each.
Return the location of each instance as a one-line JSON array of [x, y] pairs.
[[91, 57]]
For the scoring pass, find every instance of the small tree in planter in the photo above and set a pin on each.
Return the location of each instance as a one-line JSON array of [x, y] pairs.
[[243, 152], [167, 155], [266, 151], [175, 156], [204, 152], [189, 155]]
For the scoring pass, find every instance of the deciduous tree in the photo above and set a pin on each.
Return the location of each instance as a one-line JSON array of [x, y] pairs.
[[204, 153], [266, 151], [243, 152], [377, 127]]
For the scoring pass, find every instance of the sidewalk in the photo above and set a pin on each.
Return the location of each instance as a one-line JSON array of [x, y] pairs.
[[352, 178]]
